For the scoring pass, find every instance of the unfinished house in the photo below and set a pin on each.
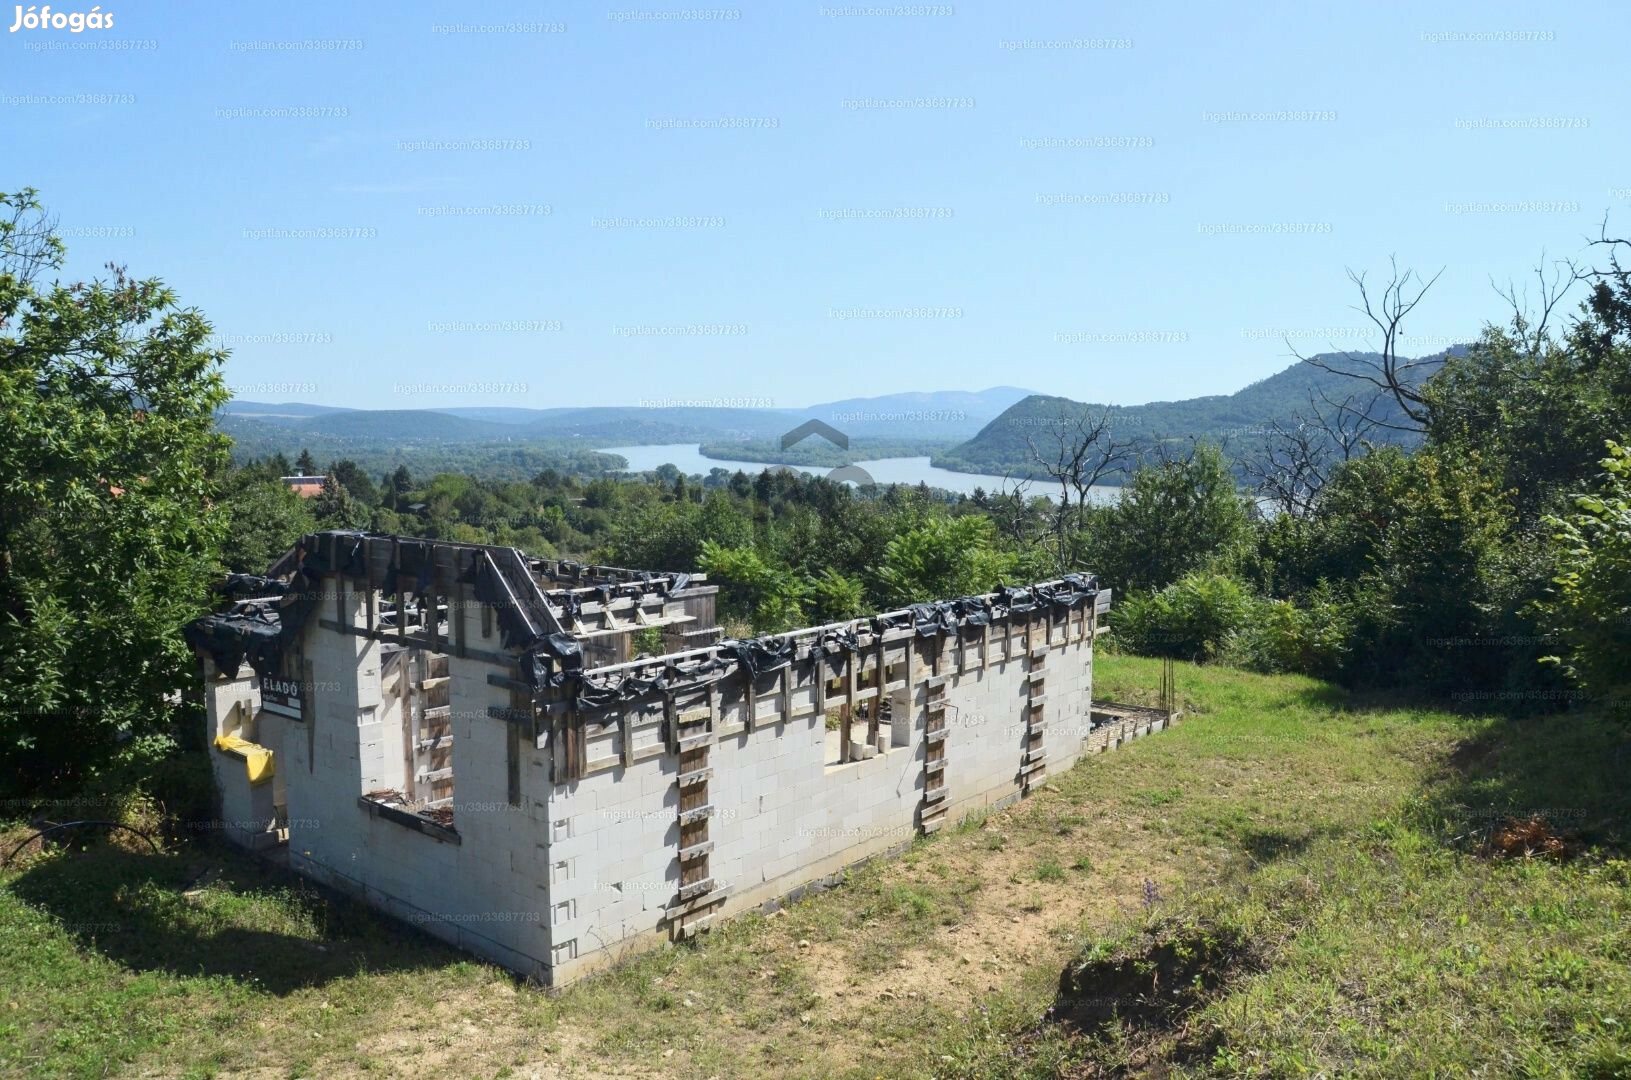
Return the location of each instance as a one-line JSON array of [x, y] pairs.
[[548, 763]]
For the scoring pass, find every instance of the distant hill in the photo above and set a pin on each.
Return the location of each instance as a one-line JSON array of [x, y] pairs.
[[916, 417], [503, 414], [939, 417], [417, 425], [1236, 421], [636, 426]]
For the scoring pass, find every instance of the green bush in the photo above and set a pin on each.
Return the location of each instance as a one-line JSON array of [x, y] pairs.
[[753, 589], [1194, 618], [1590, 608], [1313, 637]]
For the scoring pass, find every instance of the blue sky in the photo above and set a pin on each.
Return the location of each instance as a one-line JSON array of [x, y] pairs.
[[346, 263]]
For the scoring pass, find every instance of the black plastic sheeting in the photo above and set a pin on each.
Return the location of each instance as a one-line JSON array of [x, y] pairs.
[[248, 632], [259, 632], [557, 662], [249, 587], [570, 601]]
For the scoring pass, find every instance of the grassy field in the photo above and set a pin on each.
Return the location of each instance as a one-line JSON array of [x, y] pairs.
[[1288, 883]]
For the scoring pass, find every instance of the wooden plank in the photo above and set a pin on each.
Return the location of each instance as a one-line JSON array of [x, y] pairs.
[[429, 615], [512, 760], [699, 813], [308, 714], [696, 888], [401, 605], [695, 851], [455, 614], [696, 776], [404, 693], [371, 603], [676, 910], [847, 723]]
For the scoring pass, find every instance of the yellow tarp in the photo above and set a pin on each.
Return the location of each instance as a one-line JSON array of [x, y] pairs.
[[257, 759]]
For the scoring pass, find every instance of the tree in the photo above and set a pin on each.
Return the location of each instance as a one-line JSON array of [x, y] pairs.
[[1174, 517], [109, 533], [357, 482], [767, 596], [834, 597], [337, 509], [395, 487], [1397, 376], [305, 464], [264, 519], [1080, 450], [1294, 461], [941, 559]]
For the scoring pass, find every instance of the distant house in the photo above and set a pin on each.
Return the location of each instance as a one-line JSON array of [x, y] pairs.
[[307, 487]]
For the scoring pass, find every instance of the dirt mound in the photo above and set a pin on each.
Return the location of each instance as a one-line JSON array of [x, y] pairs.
[[1527, 838], [1155, 980]]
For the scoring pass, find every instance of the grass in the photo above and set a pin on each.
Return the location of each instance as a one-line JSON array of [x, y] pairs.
[[1289, 883]]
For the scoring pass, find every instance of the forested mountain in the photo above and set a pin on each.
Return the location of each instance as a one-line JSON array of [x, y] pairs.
[[1237, 422]]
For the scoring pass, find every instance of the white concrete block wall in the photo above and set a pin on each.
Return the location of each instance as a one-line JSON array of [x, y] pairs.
[[569, 875], [486, 893], [783, 817], [232, 705]]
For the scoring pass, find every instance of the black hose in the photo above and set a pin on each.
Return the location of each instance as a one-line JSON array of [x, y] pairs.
[[75, 824]]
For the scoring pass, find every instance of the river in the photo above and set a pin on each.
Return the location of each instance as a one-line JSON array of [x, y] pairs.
[[903, 470]]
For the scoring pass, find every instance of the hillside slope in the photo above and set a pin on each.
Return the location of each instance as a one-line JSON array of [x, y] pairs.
[[1288, 883], [1235, 421]]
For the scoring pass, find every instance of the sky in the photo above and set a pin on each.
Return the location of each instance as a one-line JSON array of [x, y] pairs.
[[564, 204]]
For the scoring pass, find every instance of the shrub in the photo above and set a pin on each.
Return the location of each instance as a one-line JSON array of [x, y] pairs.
[[1590, 608], [1313, 637], [1192, 619]]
